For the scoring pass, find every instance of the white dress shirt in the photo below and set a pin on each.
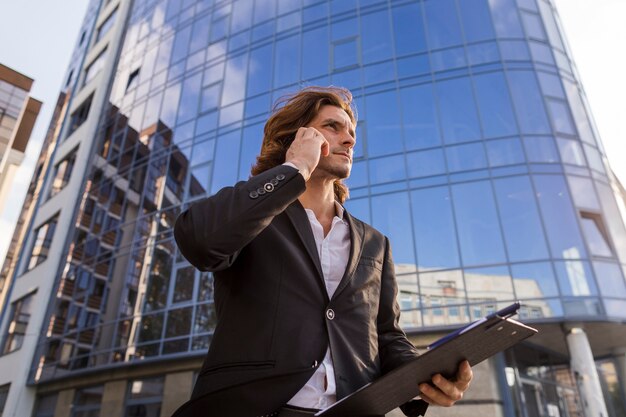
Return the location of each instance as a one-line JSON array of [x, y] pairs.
[[334, 250]]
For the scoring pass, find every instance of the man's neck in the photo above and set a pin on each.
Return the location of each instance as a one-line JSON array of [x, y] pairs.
[[320, 198]]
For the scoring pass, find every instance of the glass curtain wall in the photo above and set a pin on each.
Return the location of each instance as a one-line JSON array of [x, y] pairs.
[[475, 154]]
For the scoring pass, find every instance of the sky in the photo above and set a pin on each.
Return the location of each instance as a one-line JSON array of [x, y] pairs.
[[38, 37]]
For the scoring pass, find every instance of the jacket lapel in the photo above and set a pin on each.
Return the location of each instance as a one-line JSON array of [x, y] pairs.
[[356, 248], [301, 223]]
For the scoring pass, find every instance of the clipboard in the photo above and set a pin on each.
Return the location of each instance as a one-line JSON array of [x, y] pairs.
[[474, 342]]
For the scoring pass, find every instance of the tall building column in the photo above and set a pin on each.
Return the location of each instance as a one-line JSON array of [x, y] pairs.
[[586, 374]]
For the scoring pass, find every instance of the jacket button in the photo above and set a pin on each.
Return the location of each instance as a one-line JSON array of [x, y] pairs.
[[330, 314], [260, 191], [280, 177], [274, 181], [269, 187], [253, 194]]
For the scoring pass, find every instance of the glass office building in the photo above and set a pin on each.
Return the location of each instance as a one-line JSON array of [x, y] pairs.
[[476, 154]]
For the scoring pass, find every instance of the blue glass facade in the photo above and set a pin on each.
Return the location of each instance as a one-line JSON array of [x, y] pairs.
[[475, 154]]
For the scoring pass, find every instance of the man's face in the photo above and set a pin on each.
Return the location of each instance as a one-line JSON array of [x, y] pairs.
[[335, 124]]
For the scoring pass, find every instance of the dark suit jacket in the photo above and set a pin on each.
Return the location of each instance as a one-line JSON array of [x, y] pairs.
[[274, 317]]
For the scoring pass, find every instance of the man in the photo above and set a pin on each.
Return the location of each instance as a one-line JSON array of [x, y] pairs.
[[305, 293]]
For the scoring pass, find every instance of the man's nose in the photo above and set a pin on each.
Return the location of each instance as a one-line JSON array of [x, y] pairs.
[[348, 140]]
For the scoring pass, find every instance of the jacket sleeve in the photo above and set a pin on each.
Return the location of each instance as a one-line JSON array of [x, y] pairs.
[[211, 233], [393, 346]]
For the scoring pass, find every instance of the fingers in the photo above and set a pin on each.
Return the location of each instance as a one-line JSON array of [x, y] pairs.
[[306, 149], [446, 392]]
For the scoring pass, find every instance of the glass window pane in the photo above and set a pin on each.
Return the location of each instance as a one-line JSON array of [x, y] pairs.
[[457, 111], [225, 171], [387, 169], [466, 157], [205, 318], [580, 115], [520, 219], [376, 38], [514, 51], [235, 80], [359, 208], [505, 19], [477, 222], [541, 149], [287, 50], [178, 322], [188, 106], [426, 163], [534, 280], [421, 129], [489, 284], [559, 218], [561, 119], [383, 124], [595, 239], [250, 148], [259, 73], [408, 26], [594, 158], [390, 215], [494, 103], [571, 152], [345, 54], [575, 278], [476, 20], [550, 84], [183, 285], [315, 54], [504, 152], [181, 44], [448, 59], [610, 279], [533, 25], [583, 193], [199, 180], [358, 175], [434, 229], [614, 220], [442, 23], [528, 102], [483, 53]]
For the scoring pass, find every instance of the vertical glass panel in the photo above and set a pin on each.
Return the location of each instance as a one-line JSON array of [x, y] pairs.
[[190, 97], [550, 24], [345, 54], [580, 115], [200, 34], [413, 65], [571, 152], [442, 294], [534, 280], [528, 102], [434, 229], [426, 163], [583, 194], [494, 103], [483, 53], [170, 105], [550, 84], [527, 4], [575, 278], [231, 114], [183, 284], [343, 29], [359, 208], [225, 170], [383, 124], [533, 26], [199, 180], [264, 9], [205, 318], [457, 110], [235, 80], [614, 220], [178, 322], [492, 283], [287, 51], [442, 23], [520, 219], [250, 148], [210, 98], [409, 299], [421, 129], [561, 119], [505, 19], [181, 44], [541, 149], [387, 169], [202, 151], [259, 73], [448, 59], [376, 42], [408, 26], [504, 152], [390, 215], [596, 242], [610, 279], [315, 54], [477, 222], [476, 20], [559, 217], [594, 158], [358, 175], [241, 16], [466, 157]]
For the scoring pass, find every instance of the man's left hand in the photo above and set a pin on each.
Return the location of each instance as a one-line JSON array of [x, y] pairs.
[[446, 392]]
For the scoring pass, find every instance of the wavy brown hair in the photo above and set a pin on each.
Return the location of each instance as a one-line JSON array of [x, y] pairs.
[[292, 112]]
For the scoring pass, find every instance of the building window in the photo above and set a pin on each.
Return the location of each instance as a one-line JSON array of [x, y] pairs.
[[87, 401], [95, 67], [80, 115], [596, 234], [41, 245], [63, 171], [46, 405], [106, 26], [20, 314], [4, 393], [144, 397]]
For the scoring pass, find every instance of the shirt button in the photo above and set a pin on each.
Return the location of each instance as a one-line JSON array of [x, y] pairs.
[[330, 314]]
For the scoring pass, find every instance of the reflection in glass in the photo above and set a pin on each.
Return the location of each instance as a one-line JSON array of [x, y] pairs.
[[534, 280], [409, 36], [571, 152], [457, 109], [442, 24], [426, 163], [383, 124], [391, 216], [575, 278], [477, 224], [421, 129], [376, 44], [610, 279], [528, 102], [583, 192], [541, 149], [493, 283], [476, 19], [494, 103]]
